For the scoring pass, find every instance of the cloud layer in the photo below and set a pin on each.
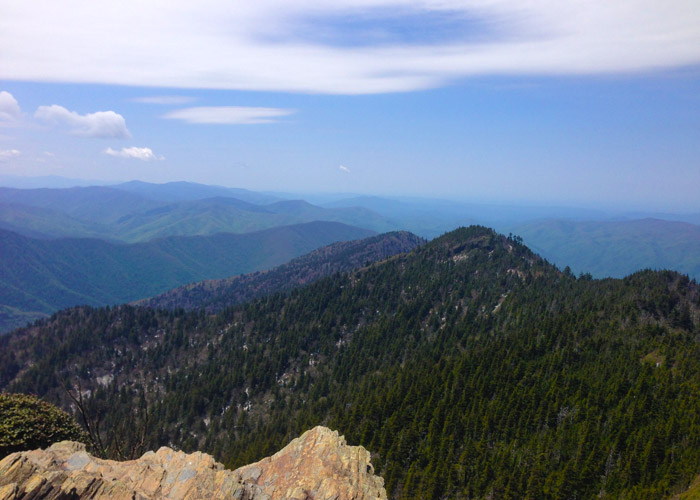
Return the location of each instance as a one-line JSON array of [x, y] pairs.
[[228, 115], [263, 45], [9, 107], [134, 153], [104, 124]]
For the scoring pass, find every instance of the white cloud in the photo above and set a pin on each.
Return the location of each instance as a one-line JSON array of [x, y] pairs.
[[145, 154], [229, 115], [260, 45], [9, 107], [6, 154], [164, 99], [343, 168], [104, 124]]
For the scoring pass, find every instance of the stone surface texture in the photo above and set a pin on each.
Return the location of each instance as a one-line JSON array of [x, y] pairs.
[[319, 465]]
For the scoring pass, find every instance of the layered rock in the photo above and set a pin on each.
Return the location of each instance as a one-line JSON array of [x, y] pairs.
[[317, 465]]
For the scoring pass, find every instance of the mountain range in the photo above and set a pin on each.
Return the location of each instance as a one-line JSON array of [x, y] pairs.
[[137, 212], [39, 276], [471, 367]]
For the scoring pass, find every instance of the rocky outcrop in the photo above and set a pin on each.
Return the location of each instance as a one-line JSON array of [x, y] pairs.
[[317, 465]]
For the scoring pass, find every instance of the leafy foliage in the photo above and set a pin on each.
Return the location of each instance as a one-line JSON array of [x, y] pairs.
[[692, 493], [470, 367], [27, 423]]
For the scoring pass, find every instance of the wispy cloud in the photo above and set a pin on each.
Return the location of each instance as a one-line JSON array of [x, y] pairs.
[[104, 124], [6, 154], [258, 46], [9, 107], [343, 168], [165, 99], [229, 115], [145, 154]]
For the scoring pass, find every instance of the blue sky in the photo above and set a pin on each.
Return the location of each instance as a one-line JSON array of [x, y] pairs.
[[578, 103]]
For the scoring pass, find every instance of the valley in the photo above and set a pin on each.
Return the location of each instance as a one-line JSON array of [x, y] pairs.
[[39, 277]]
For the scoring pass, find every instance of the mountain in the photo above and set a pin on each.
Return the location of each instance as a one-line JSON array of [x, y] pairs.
[[94, 204], [139, 212], [212, 215], [429, 217], [690, 218], [587, 241], [616, 248], [351, 215], [471, 367], [46, 181], [318, 464], [215, 295], [42, 276], [198, 217], [44, 223], [188, 191]]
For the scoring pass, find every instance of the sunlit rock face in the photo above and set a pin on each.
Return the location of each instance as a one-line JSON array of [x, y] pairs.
[[317, 465]]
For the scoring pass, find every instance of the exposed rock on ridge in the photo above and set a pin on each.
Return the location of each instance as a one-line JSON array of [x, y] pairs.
[[317, 465]]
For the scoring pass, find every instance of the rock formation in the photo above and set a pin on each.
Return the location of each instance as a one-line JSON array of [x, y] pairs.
[[317, 465]]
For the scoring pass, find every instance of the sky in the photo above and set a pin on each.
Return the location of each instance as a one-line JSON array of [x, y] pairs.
[[581, 103]]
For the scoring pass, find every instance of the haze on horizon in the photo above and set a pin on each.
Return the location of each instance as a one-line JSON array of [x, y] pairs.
[[587, 104]]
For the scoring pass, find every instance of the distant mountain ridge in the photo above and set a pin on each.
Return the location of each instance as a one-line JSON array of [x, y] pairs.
[[182, 191], [136, 212], [93, 204], [616, 248], [215, 295], [41, 276], [588, 241]]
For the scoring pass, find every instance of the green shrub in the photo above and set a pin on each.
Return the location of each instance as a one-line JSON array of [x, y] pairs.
[[27, 423]]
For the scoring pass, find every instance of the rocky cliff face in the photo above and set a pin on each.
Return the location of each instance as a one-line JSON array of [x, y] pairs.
[[317, 465]]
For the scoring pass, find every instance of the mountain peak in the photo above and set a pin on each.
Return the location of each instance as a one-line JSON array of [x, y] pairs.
[[479, 238]]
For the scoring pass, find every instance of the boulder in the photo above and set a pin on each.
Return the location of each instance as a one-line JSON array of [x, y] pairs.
[[319, 465]]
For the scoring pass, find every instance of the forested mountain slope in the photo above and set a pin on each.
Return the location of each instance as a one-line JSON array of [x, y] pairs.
[[212, 215], [215, 295], [39, 277], [470, 366]]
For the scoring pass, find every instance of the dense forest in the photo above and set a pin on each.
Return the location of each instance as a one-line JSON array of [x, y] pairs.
[[470, 367]]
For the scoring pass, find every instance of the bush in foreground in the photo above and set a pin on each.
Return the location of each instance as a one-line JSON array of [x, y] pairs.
[[27, 423]]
